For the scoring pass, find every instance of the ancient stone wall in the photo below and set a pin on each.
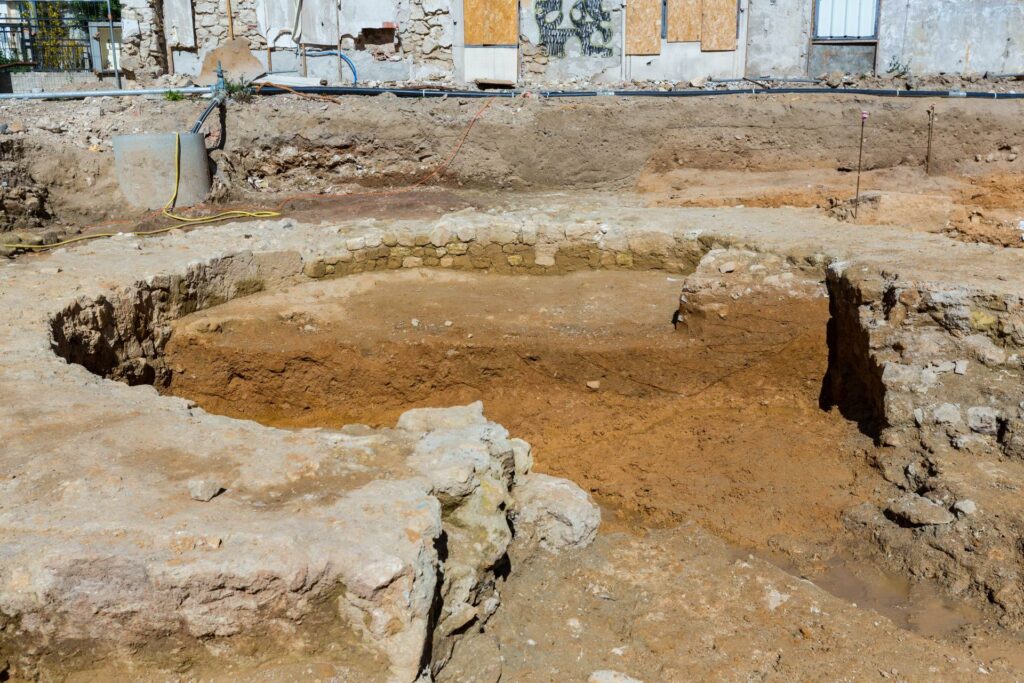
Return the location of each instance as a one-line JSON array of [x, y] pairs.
[[212, 25], [941, 365]]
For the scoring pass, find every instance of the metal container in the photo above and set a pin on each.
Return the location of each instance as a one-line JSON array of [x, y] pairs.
[[145, 169]]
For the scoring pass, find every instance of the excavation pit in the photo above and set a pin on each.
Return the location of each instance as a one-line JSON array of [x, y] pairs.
[[723, 426], [717, 419], [683, 435]]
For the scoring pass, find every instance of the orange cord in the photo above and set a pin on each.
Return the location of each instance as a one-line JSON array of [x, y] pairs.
[[284, 202]]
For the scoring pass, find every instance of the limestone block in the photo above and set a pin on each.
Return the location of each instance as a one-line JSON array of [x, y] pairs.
[[916, 510], [555, 513]]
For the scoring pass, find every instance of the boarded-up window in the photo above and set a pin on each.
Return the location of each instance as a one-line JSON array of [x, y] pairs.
[[643, 27], [845, 19], [491, 22], [718, 25], [684, 17]]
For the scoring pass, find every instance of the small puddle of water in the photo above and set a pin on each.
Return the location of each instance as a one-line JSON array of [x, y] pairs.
[[914, 607]]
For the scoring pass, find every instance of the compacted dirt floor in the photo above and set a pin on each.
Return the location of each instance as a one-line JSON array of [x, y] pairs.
[[708, 437]]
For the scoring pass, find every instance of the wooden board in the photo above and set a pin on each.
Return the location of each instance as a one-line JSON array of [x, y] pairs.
[[684, 19], [718, 26], [491, 22], [179, 31], [643, 27]]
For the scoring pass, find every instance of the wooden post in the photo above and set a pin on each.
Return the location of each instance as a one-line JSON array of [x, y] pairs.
[[231, 21], [341, 71]]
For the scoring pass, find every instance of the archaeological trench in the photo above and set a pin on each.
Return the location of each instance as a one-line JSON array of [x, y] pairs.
[[625, 392]]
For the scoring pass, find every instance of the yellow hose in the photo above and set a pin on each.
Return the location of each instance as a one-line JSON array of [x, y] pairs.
[[166, 211]]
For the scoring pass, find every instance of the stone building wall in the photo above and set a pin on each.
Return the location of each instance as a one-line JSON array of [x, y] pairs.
[[562, 43], [143, 51], [427, 38], [212, 25]]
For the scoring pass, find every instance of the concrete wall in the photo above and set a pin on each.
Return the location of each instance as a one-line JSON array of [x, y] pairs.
[[779, 34], [53, 81], [542, 64], [952, 36], [421, 49]]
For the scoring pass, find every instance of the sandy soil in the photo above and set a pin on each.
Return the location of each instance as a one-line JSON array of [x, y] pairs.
[[985, 208]]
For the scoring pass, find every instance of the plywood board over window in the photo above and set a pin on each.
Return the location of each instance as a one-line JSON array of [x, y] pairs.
[[684, 19], [643, 27], [718, 26], [491, 22]]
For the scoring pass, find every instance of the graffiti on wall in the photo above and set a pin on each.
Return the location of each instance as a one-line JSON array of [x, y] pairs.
[[588, 21]]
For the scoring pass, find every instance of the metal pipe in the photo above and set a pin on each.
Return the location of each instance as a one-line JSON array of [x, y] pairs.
[[80, 94], [341, 58], [215, 102], [476, 94], [220, 95], [931, 128], [114, 45]]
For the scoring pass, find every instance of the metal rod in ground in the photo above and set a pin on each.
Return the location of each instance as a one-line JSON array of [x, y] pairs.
[[860, 158], [115, 45], [931, 126]]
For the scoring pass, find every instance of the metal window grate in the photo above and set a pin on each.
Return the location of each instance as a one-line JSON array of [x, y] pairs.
[[58, 36], [846, 20]]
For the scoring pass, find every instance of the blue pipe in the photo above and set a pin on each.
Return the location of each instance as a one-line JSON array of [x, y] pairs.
[[324, 53]]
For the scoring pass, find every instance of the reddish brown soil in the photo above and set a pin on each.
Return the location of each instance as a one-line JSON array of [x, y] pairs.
[[723, 428]]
